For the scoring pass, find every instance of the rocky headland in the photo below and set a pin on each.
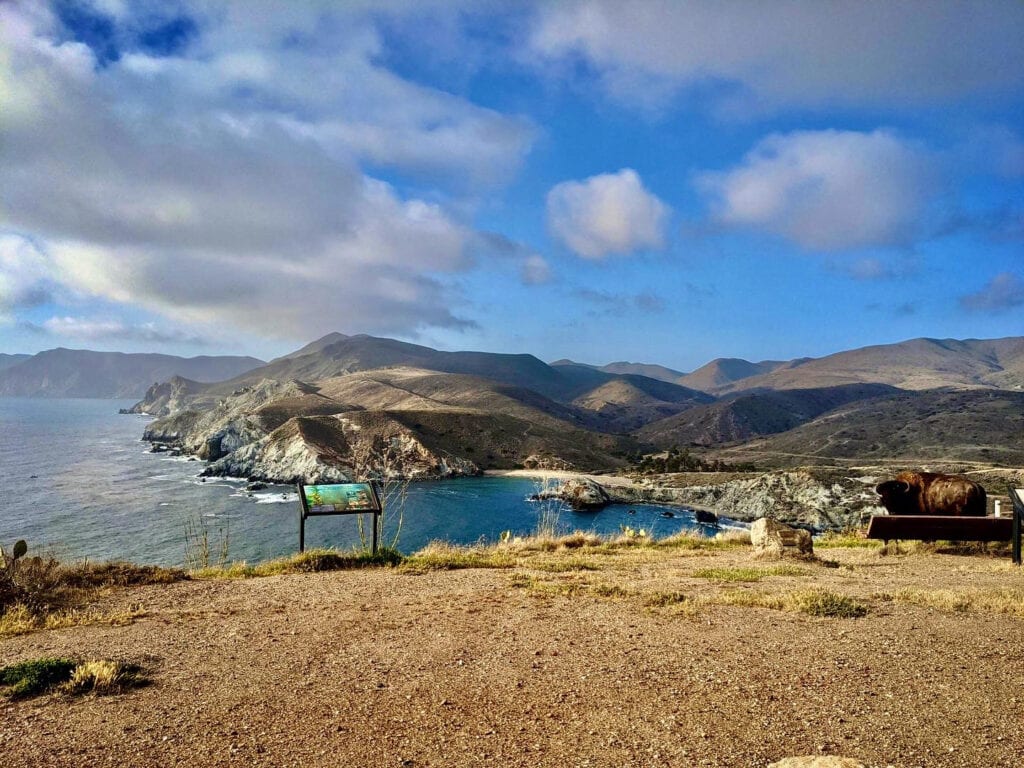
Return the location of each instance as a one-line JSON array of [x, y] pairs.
[[348, 407]]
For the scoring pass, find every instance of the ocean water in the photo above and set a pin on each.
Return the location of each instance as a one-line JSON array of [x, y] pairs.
[[77, 480]]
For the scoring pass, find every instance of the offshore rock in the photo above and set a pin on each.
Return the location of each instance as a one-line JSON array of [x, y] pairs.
[[580, 493]]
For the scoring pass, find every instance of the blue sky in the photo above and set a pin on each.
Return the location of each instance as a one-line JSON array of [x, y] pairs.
[[650, 181]]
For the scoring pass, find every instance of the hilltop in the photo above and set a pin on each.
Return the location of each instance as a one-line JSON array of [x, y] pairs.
[[553, 653], [330, 406]]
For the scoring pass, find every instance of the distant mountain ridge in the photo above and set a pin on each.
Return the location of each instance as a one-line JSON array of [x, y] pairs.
[[7, 361], [321, 407], [725, 371], [917, 364], [83, 373]]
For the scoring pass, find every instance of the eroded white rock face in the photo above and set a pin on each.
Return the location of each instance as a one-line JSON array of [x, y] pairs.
[[339, 451], [774, 539], [288, 461]]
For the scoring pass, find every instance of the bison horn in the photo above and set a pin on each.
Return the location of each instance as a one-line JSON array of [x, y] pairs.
[[892, 486]]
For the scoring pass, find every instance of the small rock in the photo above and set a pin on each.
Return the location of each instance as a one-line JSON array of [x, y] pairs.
[[703, 516], [818, 761]]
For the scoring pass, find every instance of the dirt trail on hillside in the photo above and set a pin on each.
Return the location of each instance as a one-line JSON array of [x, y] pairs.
[[491, 667]]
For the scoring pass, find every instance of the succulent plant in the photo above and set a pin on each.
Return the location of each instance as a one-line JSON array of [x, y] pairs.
[[19, 550]]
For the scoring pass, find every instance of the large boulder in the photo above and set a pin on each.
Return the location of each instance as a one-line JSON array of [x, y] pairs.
[[580, 493], [774, 539]]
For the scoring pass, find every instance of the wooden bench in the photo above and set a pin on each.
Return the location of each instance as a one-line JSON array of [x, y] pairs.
[[935, 527]]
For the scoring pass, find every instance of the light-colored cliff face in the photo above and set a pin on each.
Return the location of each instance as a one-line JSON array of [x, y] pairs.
[[289, 432], [339, 449]]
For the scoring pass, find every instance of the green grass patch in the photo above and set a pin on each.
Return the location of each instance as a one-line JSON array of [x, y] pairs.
[[829, 604], [748, 574], [311, 561], [564, 565], [662, 599], [848, 540], [815, 602], [31, 678], [39, 676]]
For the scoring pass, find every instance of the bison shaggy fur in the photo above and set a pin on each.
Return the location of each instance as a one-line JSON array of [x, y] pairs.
[[930, 493]]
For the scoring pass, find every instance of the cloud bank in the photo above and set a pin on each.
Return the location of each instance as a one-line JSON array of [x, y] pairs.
[[225, 183], [803, 53]]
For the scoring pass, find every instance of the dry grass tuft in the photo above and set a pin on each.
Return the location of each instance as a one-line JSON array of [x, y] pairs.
[[662, 599], [996, 601], [103, 677], [441, 556], [20, 619], [38, 676], [814, 602], [722, 541]]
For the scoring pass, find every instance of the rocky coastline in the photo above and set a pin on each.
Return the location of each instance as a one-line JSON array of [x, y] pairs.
[[815, 499]]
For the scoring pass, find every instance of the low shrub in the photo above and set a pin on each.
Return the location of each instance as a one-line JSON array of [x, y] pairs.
[[103, 677], [828, 604], [30, 678]]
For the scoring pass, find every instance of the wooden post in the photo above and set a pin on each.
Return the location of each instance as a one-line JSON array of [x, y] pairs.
[[1018, 512], [302, 520], [376, 526]]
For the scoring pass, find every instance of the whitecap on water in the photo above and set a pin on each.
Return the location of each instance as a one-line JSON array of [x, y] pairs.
[[276, 498]]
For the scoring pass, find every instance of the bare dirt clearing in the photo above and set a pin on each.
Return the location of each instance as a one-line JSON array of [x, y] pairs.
[[636, 656]]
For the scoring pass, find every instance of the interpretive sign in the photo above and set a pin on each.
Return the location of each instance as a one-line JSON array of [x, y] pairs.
[[338, 499]]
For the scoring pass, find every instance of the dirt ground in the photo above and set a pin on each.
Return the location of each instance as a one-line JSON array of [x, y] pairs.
[[568, 659]]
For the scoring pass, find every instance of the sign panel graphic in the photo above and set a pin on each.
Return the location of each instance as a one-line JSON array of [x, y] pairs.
[[335, 499]]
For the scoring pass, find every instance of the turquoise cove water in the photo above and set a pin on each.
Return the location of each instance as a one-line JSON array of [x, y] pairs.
[[76, 479]]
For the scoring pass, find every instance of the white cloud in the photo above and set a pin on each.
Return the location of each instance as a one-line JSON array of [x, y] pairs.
[[607, 214], [225, 186], [810, 52], [95, 329], [535, 270], [827, 190]]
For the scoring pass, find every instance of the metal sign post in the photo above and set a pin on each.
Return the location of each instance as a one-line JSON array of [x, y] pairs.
[[339, 499]]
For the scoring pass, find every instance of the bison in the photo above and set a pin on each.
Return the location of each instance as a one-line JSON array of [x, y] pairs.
[[930, 493]]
